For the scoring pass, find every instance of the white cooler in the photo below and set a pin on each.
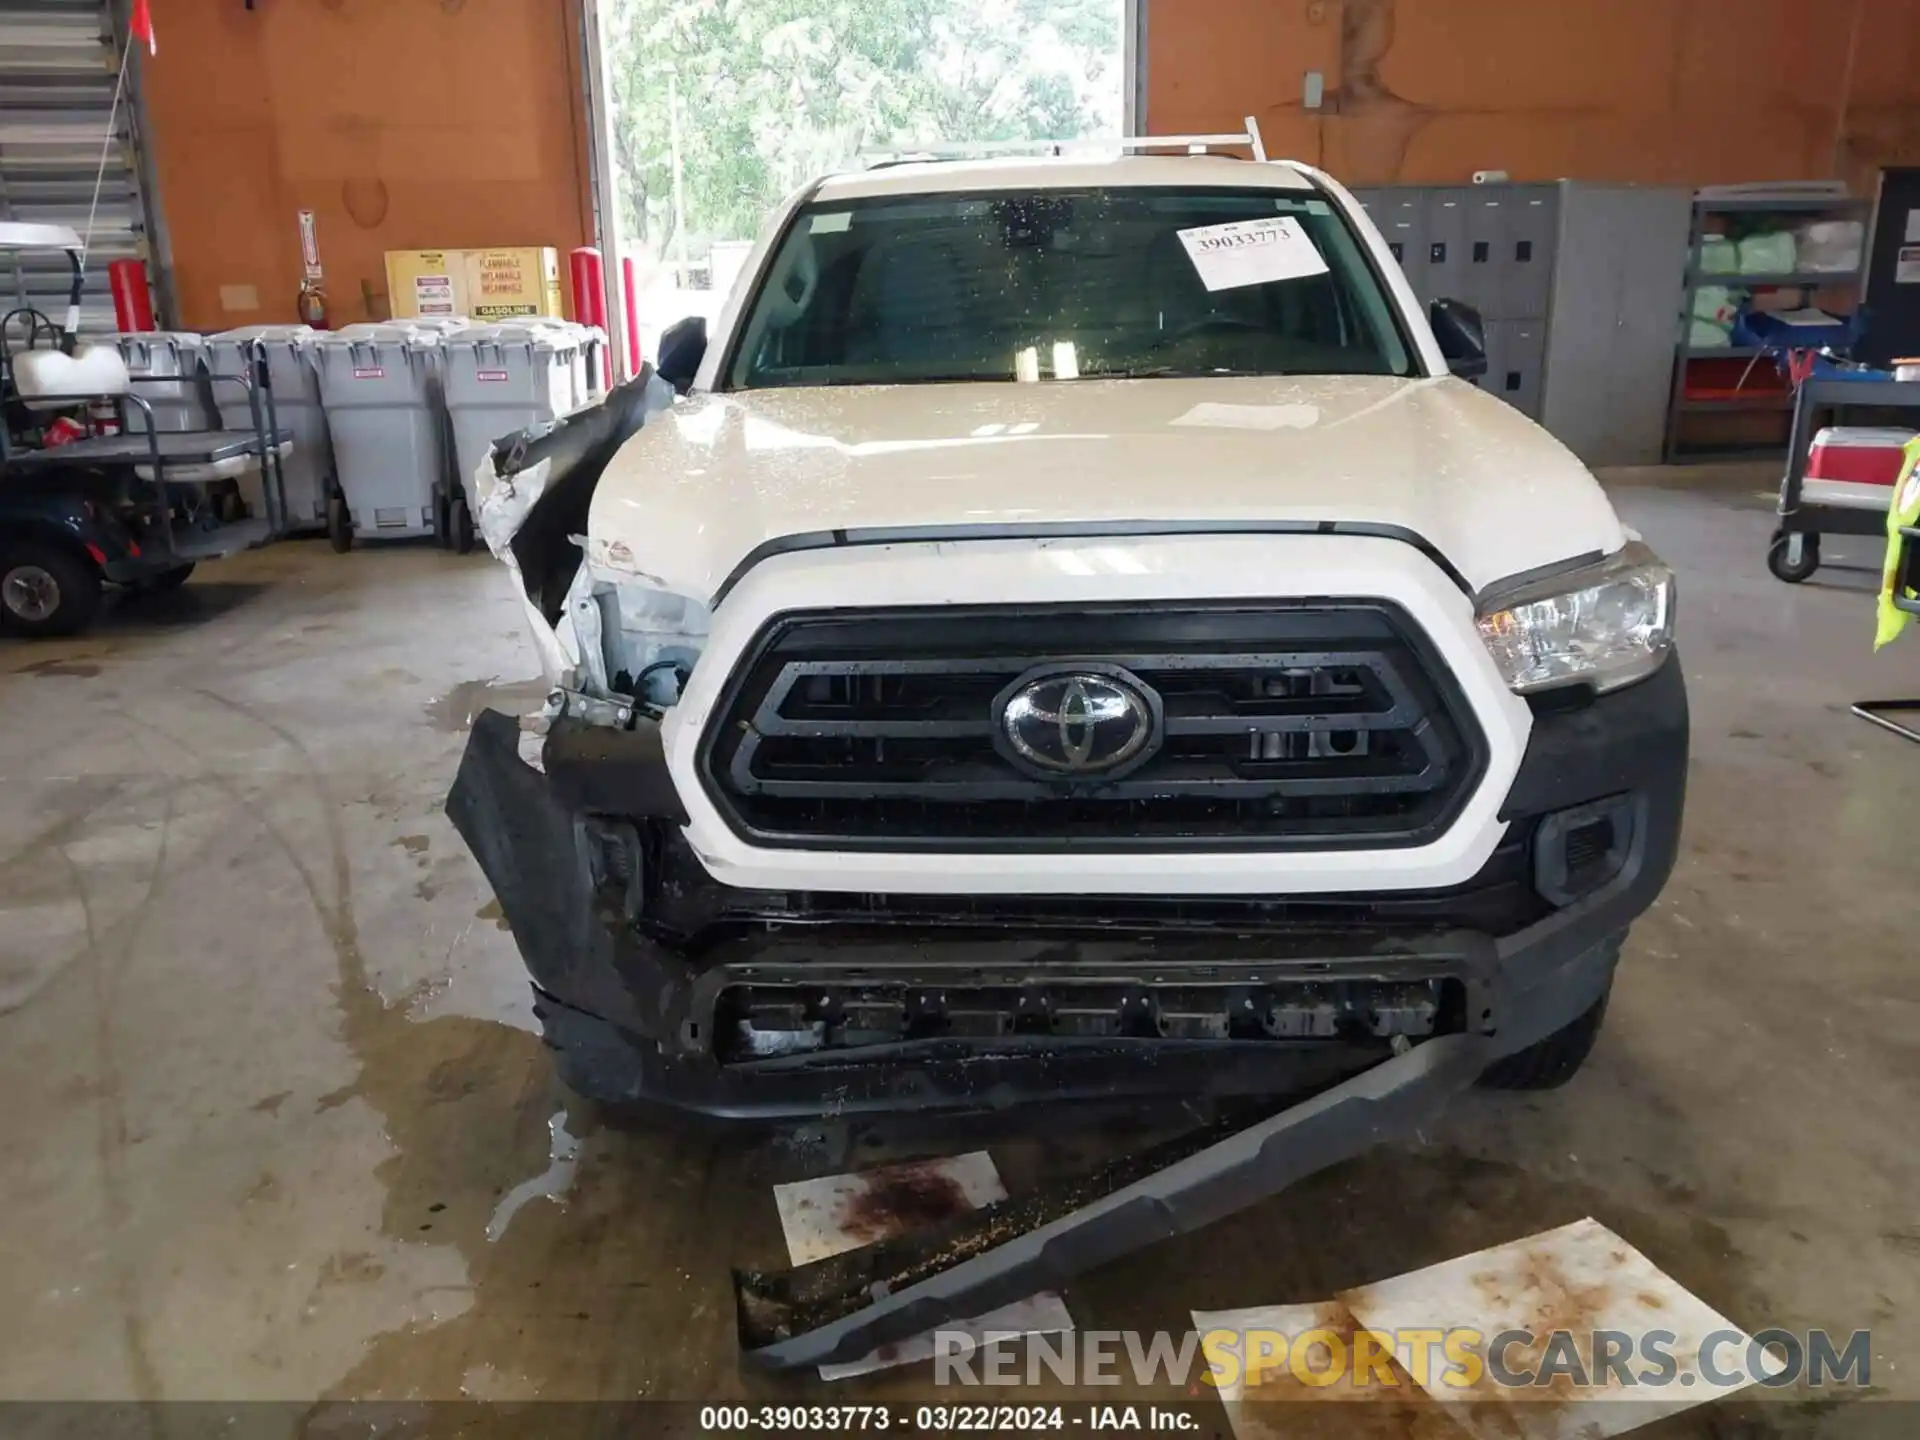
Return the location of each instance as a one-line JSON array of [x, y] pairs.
[[1854, 466]]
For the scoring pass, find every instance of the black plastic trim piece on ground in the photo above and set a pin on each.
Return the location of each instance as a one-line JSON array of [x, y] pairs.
[[843, 1307]]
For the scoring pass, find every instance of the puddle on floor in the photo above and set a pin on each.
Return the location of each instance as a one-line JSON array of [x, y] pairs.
[[456, 710], [563, 1155], [69, 668]]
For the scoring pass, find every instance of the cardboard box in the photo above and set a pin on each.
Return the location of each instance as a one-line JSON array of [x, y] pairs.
[[504, 283], [426, 283]]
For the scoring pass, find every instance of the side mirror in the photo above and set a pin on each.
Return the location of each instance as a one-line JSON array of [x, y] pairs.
[[682, 345], [1462, 336]]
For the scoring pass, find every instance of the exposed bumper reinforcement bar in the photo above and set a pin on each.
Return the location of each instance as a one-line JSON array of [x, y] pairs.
[[841, 1308]]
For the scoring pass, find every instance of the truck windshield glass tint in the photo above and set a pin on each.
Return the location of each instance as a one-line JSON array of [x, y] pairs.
[[1056, 285]]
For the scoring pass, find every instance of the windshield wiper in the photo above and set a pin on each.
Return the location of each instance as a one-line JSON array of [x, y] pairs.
[[1185, 372]]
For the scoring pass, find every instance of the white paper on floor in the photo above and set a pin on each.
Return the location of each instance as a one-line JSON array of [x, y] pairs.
[[837, 1213], [1581, 1278]]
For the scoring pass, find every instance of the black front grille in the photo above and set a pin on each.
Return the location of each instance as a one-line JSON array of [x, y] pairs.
[[1283, 724]]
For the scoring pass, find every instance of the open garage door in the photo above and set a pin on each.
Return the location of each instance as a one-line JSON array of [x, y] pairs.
[[58, 63], [716, 112]]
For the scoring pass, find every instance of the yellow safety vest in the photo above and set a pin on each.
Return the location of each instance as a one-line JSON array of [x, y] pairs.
[[1905, 510]]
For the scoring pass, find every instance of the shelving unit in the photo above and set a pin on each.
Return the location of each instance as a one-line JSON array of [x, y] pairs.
[[1796, 280], [1764, 399]]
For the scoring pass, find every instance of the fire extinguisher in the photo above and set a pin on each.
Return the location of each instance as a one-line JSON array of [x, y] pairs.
[[313, 305], [312, 300]]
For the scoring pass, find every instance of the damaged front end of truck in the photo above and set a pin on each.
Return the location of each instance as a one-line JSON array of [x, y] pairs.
[[1346, 1018]]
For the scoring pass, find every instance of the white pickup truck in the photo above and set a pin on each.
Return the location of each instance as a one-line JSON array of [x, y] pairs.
[[1071, 631]]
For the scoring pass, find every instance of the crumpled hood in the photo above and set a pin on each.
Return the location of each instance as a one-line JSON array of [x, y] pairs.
[[700, 488]]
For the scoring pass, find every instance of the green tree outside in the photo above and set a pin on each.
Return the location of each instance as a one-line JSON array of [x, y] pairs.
[[774, 92]]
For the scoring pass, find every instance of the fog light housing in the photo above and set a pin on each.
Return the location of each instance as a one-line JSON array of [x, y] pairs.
[[1577, 851]]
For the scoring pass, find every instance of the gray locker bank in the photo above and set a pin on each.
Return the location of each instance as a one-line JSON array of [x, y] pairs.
[[1580, 286]]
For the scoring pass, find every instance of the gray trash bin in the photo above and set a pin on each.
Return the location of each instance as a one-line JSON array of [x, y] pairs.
[[381, 386], [442, 325], [590, 349], [308, 468], [582, 346], [162, 354], [565, 337], [500, 379]]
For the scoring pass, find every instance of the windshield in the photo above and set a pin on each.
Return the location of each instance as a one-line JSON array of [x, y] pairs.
[[1064, 285]]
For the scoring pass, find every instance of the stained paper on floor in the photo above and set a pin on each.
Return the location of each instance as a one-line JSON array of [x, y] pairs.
[[1260, 1378], [1581, 1281], [836, 1213]]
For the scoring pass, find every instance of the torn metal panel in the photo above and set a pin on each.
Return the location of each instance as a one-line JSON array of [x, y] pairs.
[[844, 1306]]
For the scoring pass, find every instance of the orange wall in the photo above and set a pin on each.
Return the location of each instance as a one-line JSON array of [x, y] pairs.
[[403, 124], [1660, 91]]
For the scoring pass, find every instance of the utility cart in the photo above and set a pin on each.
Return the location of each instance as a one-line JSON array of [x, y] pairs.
[[1810, 506], [92, 491]]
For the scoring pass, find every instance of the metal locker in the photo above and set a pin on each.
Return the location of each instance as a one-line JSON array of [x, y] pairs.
[[1515, 363], [1496, 337], [1482, 266], [1446, 237], [1402, 217], [1532, 219]]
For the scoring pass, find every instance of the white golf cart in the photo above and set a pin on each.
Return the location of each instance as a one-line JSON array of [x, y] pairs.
[[88, 499]]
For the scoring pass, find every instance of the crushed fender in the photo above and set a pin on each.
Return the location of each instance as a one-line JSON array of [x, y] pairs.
[[531, 493]]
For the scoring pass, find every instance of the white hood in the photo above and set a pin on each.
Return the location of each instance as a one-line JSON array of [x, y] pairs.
[[701, 487]]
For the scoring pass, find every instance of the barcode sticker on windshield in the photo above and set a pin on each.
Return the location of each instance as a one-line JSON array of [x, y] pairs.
[[1251, 252]]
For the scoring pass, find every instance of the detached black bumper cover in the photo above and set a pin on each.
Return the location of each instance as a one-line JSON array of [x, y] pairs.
[[843, 1307], [538, 849]]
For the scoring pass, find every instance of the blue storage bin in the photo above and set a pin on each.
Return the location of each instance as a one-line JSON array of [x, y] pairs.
[[1756, 327]]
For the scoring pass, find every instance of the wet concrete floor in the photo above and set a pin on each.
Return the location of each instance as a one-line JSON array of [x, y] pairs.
[[276, 1124]]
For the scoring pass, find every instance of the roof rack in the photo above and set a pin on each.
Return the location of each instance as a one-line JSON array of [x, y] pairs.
[[969, 150]]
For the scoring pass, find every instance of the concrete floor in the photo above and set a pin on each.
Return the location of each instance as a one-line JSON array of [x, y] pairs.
[[276, 1123]]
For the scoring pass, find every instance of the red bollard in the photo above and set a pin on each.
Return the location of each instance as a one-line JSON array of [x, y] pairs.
[[590, 298], [132, 300], [630, 297]]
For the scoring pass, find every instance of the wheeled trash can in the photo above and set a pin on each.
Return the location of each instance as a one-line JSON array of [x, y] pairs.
[[382, 389]]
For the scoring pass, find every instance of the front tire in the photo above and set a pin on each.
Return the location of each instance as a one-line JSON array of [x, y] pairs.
[[46, 591], [1550, 1063]]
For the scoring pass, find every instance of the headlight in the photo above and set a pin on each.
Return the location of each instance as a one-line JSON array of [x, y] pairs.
[[1606, 626]]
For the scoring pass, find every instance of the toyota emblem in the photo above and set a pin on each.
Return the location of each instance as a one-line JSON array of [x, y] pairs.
[[1068, 722]]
